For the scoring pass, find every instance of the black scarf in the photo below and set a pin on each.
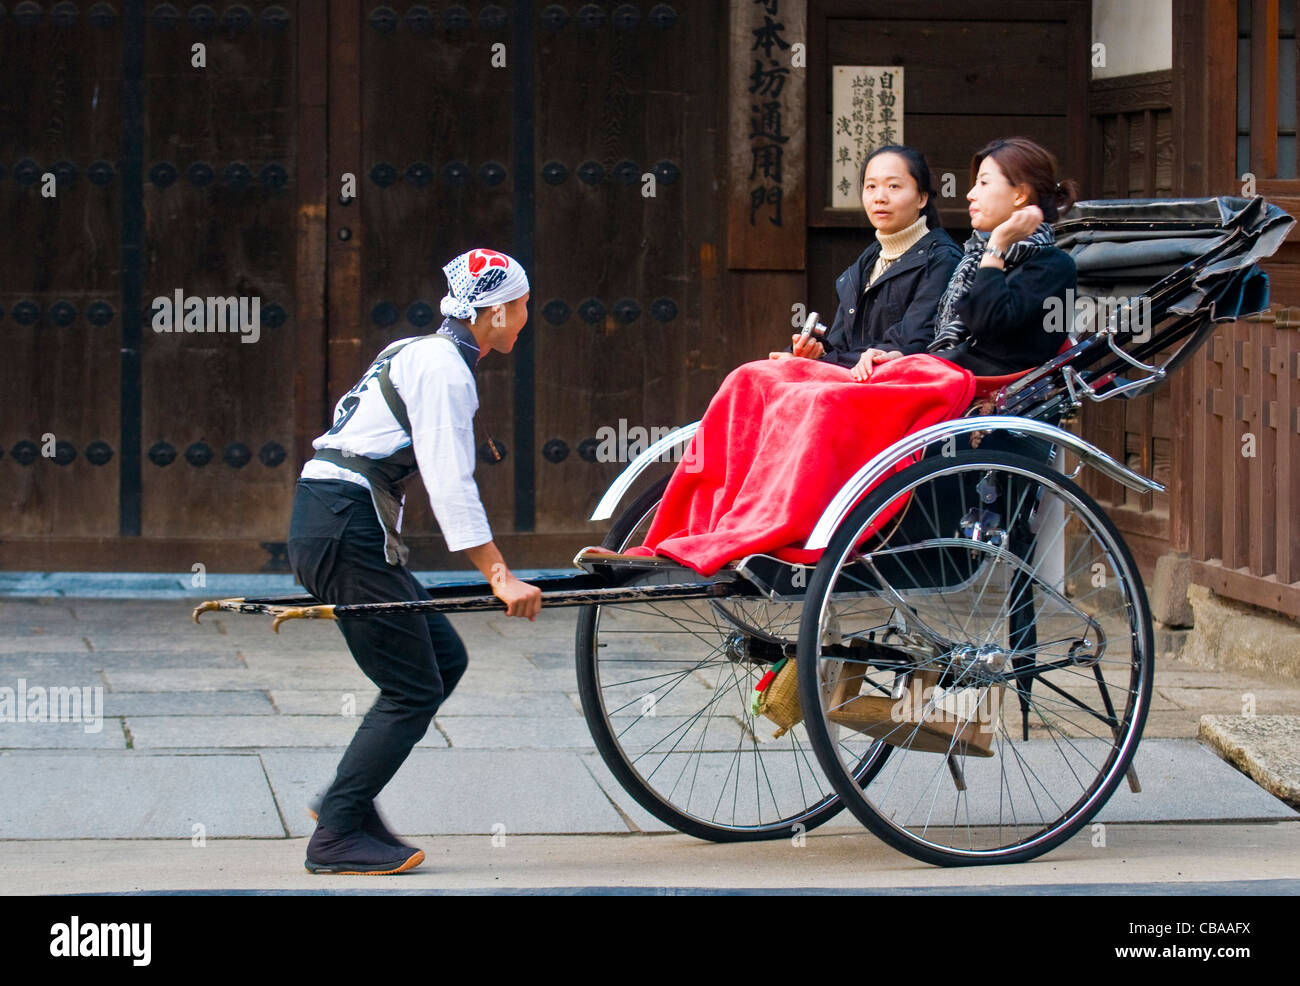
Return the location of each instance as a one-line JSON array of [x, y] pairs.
[[950, 330]]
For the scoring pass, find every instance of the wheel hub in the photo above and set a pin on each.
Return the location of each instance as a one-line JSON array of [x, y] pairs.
[[743, 648], [734, 648]]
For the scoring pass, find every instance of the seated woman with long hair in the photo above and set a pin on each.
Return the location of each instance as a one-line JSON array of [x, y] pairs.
[[781, 437], [888, 297]]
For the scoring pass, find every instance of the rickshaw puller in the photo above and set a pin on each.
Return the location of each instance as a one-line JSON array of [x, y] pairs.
[[412, 411]]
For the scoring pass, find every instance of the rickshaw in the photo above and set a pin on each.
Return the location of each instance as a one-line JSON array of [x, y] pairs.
[[968, 666]]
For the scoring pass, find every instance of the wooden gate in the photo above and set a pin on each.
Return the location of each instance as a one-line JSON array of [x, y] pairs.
[[151, 155], [200, 154]]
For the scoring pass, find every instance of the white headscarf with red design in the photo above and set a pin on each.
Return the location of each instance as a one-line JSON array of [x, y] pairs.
[[479, 279]]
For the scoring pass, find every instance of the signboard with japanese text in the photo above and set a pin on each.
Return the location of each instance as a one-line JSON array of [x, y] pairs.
[[866, 113], [766, 172]]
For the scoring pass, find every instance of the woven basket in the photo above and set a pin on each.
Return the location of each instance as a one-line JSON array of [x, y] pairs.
[[780, 701], [962, 722]]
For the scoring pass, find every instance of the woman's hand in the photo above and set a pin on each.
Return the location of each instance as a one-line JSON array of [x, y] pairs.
[[807, 347], [867, 362], [1016, 227]]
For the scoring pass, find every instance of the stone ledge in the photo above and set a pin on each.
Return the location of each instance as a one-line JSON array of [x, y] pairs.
[[1265, 748], [1232, 635]]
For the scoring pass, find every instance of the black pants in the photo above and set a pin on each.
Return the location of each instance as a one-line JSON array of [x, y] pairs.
[[336, 549]]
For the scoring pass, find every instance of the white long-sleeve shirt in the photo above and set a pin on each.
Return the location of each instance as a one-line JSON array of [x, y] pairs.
[[441, 398]]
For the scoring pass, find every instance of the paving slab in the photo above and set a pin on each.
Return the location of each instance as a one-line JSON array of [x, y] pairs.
[[461, 792], [467, 700], [1182, 675], [140, 659], [1160, 702], [516, 732], [145, 613], [1182, 780], [560, 660], [164, 640], [62, 666], [323, 703], [33, 626], [516, 678], [280, 661], [1265, 747], [241, 703], [105, 735], [40, 611], [1185, 782], [135, 796], [1170, 724], [233, 679], [250, 732], [301, 637], [44, 643], [636, 817], [1217, 701]]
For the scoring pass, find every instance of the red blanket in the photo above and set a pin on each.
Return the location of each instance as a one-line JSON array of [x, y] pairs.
[[778, 441]]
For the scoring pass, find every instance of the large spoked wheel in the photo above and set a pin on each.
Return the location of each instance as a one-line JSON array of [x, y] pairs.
[[995, 635], [666, 690]]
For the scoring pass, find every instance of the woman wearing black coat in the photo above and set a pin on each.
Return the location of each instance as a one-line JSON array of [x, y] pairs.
[[888, 297], [897, 311], [993, 316]]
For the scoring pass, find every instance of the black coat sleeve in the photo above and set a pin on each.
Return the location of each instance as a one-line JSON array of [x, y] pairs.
[[836, 340], [914, 332], [837, 333], [1004, 311]]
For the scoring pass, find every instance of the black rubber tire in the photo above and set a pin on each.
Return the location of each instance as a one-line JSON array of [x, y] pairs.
[[1142, 666], [612, 753]]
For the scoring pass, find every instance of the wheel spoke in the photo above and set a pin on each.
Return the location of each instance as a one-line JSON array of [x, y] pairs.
[[666, 687], [1044, 612]]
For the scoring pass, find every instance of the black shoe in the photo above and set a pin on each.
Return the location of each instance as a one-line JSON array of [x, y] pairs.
[[372, 824], [358, 854]]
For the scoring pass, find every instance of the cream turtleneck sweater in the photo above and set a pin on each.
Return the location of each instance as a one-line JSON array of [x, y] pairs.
[[894, 245]]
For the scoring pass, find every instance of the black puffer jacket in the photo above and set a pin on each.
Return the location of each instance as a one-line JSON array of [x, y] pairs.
[[898, 310]]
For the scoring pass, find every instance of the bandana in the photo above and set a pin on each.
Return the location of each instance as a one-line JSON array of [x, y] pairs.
[[480, 279]]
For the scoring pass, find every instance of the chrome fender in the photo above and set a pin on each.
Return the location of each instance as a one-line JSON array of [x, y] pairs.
[[883, 464], [617, 489]]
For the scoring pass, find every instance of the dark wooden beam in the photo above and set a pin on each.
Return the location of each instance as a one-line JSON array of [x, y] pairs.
[[345, 359], [1205, 125], [1205, 119], [1263, 88], [311, 336]]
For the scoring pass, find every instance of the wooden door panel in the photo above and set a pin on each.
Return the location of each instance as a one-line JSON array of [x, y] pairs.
[[434, 180], [217, 413], [625, 279], [59, 300]]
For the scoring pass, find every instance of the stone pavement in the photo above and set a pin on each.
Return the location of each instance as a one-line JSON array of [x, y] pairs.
[[224, 730]]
